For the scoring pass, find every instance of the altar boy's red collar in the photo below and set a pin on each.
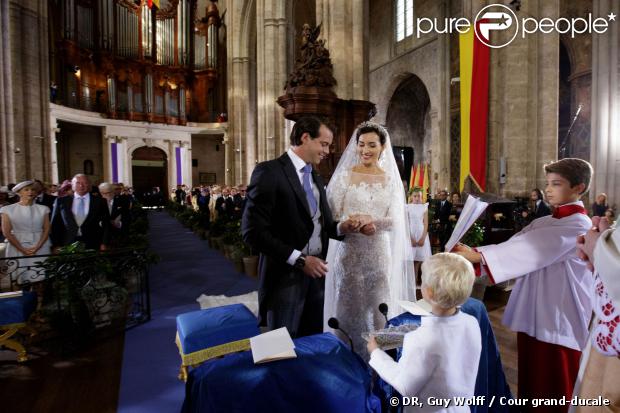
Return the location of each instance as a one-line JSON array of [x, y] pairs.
[[569, 209]]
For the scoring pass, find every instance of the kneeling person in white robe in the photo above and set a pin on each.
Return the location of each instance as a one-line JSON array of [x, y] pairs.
[[440, 358]]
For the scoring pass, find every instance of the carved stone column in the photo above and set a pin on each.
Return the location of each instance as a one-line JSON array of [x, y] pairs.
[[605, 149], [523, 105], [345, 30], [242, 98], [271, 70]]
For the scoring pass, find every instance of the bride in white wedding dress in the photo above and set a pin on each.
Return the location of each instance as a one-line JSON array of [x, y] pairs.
[[370, 267]]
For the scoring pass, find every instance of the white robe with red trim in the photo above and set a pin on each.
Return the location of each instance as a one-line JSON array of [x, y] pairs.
[[552, 298]]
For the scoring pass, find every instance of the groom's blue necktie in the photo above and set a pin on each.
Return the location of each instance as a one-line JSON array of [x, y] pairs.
[[308, 188]]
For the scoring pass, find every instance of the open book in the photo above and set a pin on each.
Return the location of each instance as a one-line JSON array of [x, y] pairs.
[[11, 294], [472, 210], [272, 345], [420, 307]]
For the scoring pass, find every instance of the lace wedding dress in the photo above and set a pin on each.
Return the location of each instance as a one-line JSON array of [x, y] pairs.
[[361, 266]]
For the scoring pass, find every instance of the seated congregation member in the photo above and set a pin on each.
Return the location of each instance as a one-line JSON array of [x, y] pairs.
[[551, 304], [600, 248], [81, 217], [440, 358]]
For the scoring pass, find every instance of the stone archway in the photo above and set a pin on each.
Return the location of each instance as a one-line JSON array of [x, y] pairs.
[[149, 169], [408, 118]]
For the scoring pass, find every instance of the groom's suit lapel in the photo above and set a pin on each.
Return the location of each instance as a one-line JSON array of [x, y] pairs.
[[293, 179]]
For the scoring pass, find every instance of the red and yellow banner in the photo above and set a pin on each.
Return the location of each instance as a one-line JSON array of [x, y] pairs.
[[412, 177], [152, 3], [474, 65], [425, 183]]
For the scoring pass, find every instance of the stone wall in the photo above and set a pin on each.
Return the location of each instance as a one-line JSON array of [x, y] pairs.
[[208, 150], [25, 143], [392, 63], [78, 143]]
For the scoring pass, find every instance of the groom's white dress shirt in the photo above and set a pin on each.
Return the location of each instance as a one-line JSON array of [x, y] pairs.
[[314, 246]]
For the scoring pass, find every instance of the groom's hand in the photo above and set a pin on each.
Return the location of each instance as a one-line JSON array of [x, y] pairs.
[[315, 267], [349, 226]]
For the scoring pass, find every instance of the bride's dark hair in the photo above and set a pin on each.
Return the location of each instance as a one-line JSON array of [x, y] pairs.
[[367, 127]]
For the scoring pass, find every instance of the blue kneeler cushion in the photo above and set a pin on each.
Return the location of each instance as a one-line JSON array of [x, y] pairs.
[[17, 310], [214, 332]]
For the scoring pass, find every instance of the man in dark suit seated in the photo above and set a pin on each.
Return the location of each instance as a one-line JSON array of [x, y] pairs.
[[81, 217], [443, 209]]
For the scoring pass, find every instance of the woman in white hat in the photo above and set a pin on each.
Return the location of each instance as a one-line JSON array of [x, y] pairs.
[[26, 227]]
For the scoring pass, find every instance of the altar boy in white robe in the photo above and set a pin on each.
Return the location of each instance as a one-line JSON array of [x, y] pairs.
[[551, 303], [440, 358]]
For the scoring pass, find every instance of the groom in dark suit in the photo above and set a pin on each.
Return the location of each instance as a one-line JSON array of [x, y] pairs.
[[81, 217], [287, 219]]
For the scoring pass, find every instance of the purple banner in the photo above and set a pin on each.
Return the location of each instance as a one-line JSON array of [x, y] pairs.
[[178, 159], [114, 163]]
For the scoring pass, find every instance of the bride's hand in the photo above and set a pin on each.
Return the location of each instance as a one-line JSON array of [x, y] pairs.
[[362, 219], [369, 229]]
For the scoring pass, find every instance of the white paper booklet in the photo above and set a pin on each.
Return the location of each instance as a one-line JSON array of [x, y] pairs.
[[272, 345], [419, 307], [11, 294], [472, 210]]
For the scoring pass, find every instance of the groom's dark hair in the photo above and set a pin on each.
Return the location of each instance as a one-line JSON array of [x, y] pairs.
[[309, 125]]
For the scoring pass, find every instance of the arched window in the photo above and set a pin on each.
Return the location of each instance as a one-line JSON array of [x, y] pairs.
[[404, 19]]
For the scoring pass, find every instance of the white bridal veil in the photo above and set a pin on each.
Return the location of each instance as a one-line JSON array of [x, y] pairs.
[[400, 273]]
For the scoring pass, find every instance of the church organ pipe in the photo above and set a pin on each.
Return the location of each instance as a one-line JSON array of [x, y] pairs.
[[111, 94], [148, 83], [182, 103], [200, 51], [129, 98], [147, 31], [106, 14], [212, 46], [69, 19], [85, 26], [183, 31], [165, 42]]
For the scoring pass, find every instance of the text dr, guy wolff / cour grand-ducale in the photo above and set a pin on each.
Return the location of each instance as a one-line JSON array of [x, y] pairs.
[[504, 401]]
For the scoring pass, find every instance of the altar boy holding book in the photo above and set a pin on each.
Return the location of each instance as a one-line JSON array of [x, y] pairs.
[[550, 305], [440, 358]]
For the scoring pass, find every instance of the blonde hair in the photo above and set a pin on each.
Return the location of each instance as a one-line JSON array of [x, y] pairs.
[[450, 277]]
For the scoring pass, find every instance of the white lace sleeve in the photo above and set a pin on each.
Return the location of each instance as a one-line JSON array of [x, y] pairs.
[[385, 223], [336, 190]]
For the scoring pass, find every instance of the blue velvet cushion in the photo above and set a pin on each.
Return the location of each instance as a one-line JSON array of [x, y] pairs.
[[18, 309], [325, 377], [214, 326]]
